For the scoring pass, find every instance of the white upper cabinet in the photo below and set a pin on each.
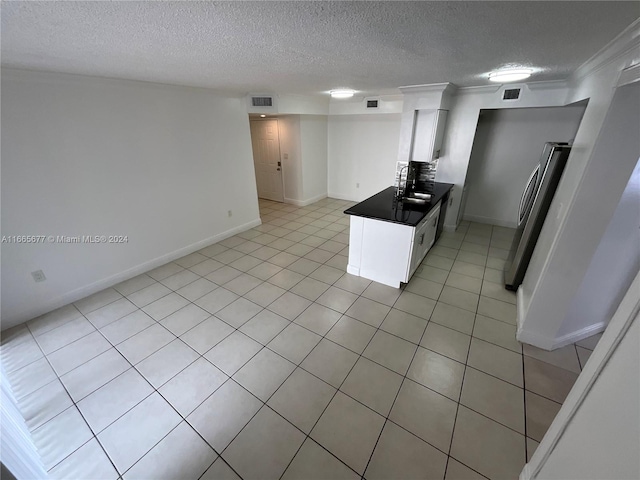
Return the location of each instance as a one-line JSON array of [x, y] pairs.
[[427, 134]]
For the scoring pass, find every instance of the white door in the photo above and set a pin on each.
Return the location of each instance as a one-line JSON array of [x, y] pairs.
[[266, 158]]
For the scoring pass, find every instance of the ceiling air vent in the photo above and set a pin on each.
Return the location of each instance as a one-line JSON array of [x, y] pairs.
[[262, 101], [372, 103], [511, 94]]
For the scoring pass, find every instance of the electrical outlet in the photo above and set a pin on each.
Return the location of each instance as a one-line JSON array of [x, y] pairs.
[[38, 276], [230, 213], [357, 185]]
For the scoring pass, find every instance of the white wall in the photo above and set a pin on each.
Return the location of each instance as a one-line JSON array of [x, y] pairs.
[[314, 138], [357, 105], [613, 267], [461, 127], [362, 149], [289, 104], [588, 194], [84, 155], [506, 149], [303, 153], [303, 104], [602, 440]]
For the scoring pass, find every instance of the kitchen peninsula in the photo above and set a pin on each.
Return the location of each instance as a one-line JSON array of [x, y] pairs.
[[389, 237]]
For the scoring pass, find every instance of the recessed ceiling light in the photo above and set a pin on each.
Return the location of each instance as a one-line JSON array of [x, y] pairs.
[[262, 116], [510, 75], [344, 93]]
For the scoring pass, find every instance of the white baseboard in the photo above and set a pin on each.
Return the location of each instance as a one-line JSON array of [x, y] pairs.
[[581, 334], [353, 270], [547, 343], [450, 228], [525, 474], [82, 292], [341, 196], [293, 201], [524, 336], [304, 203], [519, 308], [491, 221]]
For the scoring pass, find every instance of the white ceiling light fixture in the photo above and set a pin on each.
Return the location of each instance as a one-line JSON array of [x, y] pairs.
[[342, 93], [262, 116], [510, 75]]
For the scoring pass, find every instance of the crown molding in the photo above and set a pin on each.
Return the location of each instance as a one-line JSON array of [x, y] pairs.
[[361, 98], [428, 88], [548, 85], [626, 42], [629, 75], [533, 86], [479, 89]]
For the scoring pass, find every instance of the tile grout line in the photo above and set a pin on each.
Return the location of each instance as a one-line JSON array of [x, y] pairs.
[[464, 374], [159, 280], [463, 381], [152, 386], [338, 390], [265, 403], [402, 383], [466, 365], [266, 345], [155, 390], [404, 377], [323, 337], [158, 321], [458, 402], [94, 436], [273, 352], [228, 378], [141, 308], [235, 381]]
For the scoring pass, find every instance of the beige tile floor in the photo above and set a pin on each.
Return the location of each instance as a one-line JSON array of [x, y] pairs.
[[258, 357]]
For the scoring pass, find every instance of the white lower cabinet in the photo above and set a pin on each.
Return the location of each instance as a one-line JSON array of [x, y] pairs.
[[388, 252], [424, 238]]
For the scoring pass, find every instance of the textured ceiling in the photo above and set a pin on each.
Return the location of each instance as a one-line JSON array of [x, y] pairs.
[[307, 47]]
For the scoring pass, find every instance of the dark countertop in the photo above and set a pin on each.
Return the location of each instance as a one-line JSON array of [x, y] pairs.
[[383, 206]]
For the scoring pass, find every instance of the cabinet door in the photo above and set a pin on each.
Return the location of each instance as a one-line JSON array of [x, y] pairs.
[[441, 122], [428, 133], [423, 135], [420, 246], [423, 239], [431, 229]]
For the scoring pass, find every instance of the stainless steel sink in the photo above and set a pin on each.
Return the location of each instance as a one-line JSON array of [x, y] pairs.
[[418, 198], [420, 201]]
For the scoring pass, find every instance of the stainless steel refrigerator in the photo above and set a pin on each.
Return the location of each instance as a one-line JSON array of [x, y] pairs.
[[533, 209]]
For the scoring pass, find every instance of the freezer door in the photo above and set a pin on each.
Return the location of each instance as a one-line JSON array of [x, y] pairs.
[[528, 195], [549, 172]]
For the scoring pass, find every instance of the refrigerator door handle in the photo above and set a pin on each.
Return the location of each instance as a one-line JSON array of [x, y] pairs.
[[528, 194]]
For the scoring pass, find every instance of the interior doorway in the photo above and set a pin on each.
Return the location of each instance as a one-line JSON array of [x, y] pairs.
[[506, 149], [266, 158]]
